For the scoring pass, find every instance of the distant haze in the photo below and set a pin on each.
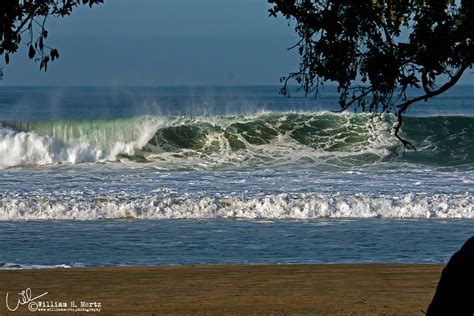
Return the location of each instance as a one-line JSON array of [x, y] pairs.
[[165, 42]]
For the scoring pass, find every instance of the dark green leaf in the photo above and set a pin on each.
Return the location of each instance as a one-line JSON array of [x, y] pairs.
[[31, 52]]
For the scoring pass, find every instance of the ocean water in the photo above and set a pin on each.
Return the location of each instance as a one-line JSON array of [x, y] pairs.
[[93, 176]]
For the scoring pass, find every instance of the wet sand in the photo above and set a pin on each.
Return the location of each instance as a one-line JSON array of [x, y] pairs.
[[358, 289]]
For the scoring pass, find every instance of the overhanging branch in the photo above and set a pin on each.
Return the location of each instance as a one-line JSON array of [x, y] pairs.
[[402, 108]]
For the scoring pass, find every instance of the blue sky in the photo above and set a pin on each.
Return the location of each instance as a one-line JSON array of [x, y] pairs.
[[165, 42]]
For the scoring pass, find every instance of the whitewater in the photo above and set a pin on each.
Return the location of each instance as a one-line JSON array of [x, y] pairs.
[[320, 142], [185, 171], [246, 140]]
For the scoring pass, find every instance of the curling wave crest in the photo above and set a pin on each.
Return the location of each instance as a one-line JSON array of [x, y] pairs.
[[233, 141]]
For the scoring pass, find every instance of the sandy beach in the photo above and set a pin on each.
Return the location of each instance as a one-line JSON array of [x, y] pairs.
[[354, 289]]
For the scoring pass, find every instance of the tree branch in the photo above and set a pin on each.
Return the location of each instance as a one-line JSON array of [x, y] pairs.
[[402, 108], [432, 93], [29, 17]]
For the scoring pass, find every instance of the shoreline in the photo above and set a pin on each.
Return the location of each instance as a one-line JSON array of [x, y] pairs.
[[321, 289]]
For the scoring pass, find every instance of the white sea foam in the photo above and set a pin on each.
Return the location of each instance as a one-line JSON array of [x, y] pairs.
[[279, 206], [31, 149], [58, 143], [17, 266]]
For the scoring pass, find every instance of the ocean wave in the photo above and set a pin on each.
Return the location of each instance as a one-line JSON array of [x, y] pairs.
[[18, 266], [64, 142], [261, 139], [303, 206]]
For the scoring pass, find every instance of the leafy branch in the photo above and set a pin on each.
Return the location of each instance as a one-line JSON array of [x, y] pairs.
[[20, 16], [376, 50]]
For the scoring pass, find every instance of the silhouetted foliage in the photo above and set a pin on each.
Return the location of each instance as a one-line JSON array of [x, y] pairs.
[[376, 49], [24, 20]]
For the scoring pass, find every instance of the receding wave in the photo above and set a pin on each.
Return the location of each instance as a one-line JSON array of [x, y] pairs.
[[301, 206], [18, 266], [228, 141]]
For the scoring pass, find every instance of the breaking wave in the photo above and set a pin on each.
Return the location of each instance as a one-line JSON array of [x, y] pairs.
[[252, 140], [301, 206]]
